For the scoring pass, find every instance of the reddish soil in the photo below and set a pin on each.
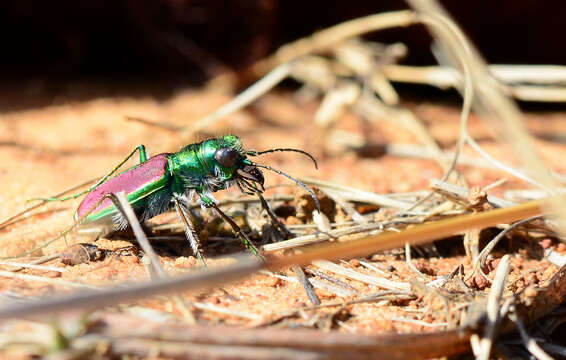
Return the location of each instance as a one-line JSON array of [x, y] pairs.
[[50, 149]]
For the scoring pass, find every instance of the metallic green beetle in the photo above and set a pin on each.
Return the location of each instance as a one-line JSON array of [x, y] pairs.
[[170, 180]]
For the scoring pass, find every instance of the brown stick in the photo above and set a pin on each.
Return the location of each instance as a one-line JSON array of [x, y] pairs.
[[389, 346], [417, 235]]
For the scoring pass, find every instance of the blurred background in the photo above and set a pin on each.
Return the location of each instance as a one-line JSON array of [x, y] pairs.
[[136, 47]]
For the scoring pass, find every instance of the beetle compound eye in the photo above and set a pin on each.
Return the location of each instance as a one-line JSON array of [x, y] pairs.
[[226, 157]]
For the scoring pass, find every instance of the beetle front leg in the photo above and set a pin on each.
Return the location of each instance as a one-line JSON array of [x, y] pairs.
[[238, 231]]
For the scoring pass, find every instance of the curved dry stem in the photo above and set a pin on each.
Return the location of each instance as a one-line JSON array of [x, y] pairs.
[[246, 97], [498, 164], [480, 260], [445, 25], [281, 63], [324, 39]]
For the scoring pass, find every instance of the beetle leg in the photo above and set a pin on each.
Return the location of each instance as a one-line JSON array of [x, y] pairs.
[[274, 220], [277, 225], [65, 232], [143, 157], [239, 232], [190, 230], [309, 289]]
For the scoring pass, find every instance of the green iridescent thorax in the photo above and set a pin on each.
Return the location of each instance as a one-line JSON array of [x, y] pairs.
[[197, 160]]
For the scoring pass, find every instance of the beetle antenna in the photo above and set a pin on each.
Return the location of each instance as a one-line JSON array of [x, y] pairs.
[[257, 153], [296, 181]]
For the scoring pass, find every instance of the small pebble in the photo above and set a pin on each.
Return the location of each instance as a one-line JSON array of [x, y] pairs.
[[425, 268], [354, 262], [491, 264], [479, 282]]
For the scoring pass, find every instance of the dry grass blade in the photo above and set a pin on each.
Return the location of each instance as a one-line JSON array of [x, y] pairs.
[[418, 322], [368, 279], [417, 235], [21, 265], [317, 284], [493, 306], [128, 212], [539, 76], [307, 285], [126, 209], [353, 194], [159, 124], [539, 93], [480, 260], [280, 64], [412, 266], [97, 299], [316, 238]]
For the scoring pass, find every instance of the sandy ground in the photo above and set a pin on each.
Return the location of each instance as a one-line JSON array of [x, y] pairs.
[[46, 150]]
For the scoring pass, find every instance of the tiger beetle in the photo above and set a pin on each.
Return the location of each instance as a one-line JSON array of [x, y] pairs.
[[170, 180]]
